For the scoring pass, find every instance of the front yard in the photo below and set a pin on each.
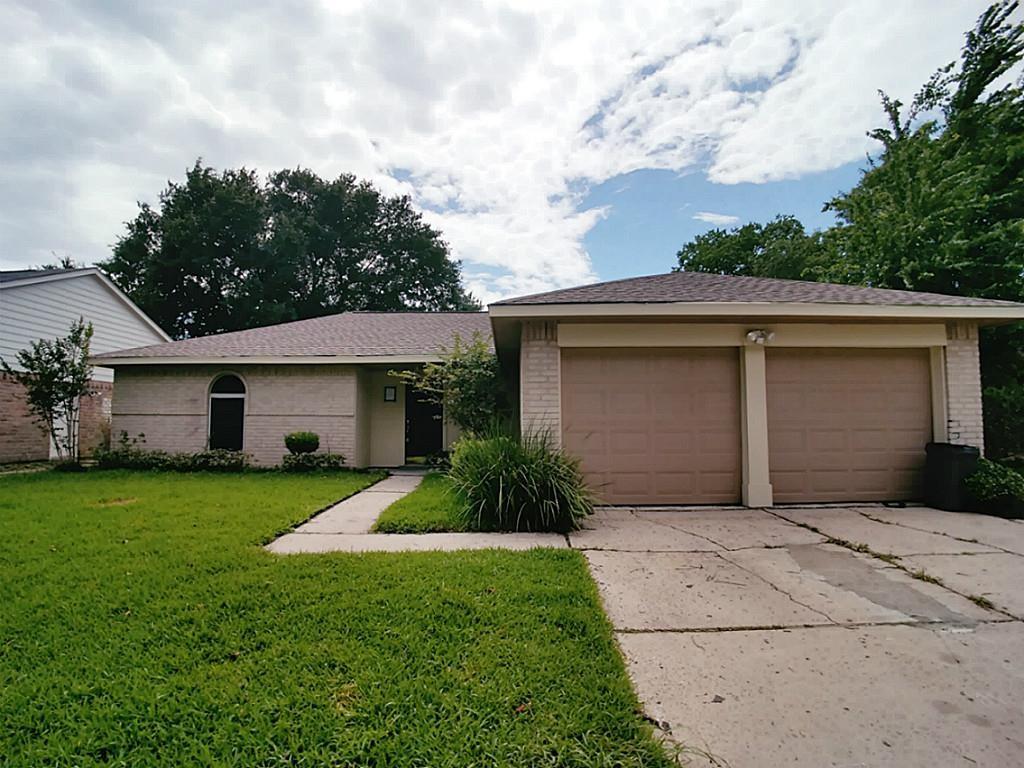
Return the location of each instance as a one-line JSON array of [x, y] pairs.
[[143, 624], [431, 508]]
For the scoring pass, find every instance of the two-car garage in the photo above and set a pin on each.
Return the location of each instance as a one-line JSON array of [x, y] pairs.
[[665, 425], [701, 388]]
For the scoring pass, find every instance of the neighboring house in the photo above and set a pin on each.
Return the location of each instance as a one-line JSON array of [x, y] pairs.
[[671, 389], [37, 304]]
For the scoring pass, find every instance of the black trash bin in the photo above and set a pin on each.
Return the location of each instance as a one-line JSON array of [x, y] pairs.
[[946, 468]]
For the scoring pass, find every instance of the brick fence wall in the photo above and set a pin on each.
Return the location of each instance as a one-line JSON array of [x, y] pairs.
[[21, 437], [94, 417]]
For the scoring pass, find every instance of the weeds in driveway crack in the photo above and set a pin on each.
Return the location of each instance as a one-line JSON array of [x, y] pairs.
[[996, 547], [922, 575], [982, 602]]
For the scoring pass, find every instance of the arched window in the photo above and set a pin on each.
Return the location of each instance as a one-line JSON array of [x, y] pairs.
[[227, 412]]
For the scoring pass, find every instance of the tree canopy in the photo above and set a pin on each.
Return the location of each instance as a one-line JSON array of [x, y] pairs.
[[225, 251], [939, 208]]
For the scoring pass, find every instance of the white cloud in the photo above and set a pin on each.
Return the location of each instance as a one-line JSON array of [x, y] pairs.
[[494, 118], [718, 219]]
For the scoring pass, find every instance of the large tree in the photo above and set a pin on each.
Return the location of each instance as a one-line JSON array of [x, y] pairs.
[[224, 251], [939, 208], [780, 248]]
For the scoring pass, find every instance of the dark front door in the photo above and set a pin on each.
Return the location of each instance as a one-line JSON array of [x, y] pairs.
[[423, 425], [226, 418]]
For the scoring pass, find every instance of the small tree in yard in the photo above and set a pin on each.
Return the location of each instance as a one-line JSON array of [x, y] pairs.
[[467, 383], [56, 376]]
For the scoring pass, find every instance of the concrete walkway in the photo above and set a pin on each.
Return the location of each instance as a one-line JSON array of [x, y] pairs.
[[346, 526]]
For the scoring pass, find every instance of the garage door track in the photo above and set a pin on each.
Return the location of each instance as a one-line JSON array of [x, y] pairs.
[[820, 636]]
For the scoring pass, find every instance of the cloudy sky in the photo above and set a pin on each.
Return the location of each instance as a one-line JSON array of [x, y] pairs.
[[553, 143]]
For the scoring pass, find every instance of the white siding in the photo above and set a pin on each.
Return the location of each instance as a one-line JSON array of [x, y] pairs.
[[47, 309]]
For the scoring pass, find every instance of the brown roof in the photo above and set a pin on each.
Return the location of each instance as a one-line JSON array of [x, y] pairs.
[[676, 287], [349, 334]]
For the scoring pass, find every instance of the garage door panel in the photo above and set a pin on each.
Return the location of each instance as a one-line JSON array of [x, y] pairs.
[[670, 433], [678, 485], [591, 404], [629, 404], [628, 442], [847, 425], [829, 440], [674, 443]]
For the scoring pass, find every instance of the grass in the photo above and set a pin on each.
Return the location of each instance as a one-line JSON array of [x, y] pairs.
[[428, 509], [143, 624]]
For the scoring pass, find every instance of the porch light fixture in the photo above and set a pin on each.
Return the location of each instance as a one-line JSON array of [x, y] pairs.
[[390, 394], [760, 336]]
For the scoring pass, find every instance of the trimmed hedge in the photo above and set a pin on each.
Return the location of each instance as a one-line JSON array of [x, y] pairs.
[[312, 462], [129, 454], [299, 443]]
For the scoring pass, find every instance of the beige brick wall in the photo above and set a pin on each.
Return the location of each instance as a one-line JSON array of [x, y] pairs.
[[540, 405], [169, 404], [963, 385]]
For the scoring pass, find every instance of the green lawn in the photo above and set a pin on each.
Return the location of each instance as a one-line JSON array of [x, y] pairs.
[[430, 508], [143, 625]]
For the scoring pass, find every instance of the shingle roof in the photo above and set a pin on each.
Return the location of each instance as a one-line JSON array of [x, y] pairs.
[[349, 334], [12, 275], [676, 287]]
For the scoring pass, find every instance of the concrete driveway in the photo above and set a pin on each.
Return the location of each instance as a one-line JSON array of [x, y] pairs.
[[765, 638]]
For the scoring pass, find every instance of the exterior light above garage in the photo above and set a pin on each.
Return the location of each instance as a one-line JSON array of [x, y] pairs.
[[760, 336]]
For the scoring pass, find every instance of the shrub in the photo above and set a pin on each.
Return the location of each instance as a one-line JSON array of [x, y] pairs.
[[302, 442], [129, 453], [518, 484], [69, 466], [995, 482], [217, 460], [1004, 421], [125, 454], [312, 462]]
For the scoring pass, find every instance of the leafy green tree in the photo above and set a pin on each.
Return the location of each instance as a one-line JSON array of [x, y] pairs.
[[224, 251], [781, 248], [940, 208], [56, 374], [467, 382]]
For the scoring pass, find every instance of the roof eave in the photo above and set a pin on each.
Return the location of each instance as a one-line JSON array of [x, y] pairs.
[[708, 309], [114, 361]]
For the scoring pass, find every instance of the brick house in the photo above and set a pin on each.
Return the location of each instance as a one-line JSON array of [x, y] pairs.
[[671, 389], [37, 304]]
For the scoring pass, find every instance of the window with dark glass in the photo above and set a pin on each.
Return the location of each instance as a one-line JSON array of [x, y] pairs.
[[227, 413]]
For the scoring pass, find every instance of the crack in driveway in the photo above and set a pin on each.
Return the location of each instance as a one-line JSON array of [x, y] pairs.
[[778, 589]]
